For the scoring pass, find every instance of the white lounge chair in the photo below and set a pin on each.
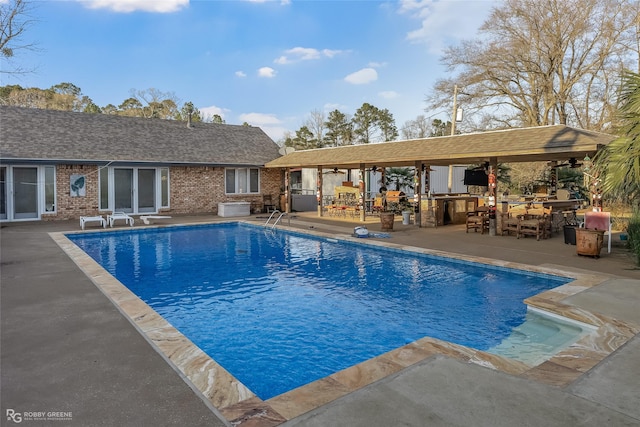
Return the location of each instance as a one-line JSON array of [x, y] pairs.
[[98, 218], [150, 219], [115, 216]]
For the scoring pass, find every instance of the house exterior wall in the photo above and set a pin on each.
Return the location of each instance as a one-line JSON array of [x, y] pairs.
[[192, 190], [68, 207]]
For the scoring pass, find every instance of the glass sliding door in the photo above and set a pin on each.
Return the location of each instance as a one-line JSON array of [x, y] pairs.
[[25, 192], [3, 192], [123, 190], [146, 190]]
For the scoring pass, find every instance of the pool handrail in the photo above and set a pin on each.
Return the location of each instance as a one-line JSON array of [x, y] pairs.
[[273, 226]]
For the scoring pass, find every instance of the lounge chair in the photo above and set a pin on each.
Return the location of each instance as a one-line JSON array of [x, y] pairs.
[[98, 218], [115, 216], [150, 219]]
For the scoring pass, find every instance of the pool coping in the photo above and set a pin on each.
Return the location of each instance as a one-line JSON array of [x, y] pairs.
[[240, 406]]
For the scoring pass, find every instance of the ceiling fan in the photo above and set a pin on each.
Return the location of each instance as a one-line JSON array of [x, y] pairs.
[[479, 167], [573, 163], [334, 171]]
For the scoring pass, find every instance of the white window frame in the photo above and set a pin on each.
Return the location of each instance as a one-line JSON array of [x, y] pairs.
[[44, 189], [168, 188], [240, 186], [158, 188], [41, 195]]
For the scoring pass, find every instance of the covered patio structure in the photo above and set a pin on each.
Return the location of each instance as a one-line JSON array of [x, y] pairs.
[[544, 143]]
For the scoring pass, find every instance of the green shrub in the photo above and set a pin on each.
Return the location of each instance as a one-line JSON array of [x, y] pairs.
[[633, 230]]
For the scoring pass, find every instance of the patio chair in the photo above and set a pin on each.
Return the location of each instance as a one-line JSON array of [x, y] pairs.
[[511, 218], [536, 222], [599, 221], [478, 220], [267, 204], [378, 205], [115, 216]]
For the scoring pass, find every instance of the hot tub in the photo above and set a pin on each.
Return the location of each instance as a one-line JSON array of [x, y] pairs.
[[230, 209]]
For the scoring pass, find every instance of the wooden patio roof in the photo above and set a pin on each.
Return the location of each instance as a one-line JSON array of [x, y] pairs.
[[543, 143]]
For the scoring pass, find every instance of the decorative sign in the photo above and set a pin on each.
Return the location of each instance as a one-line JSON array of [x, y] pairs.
[[78, 188]]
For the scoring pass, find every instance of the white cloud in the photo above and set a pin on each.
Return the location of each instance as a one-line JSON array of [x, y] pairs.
[[267, 72], [364, 76], [388, 94], [259, 119], [277, 133], [269, 123], [160, 6], [282, 2], [444, 23], [377, 64], [241, 74], [330, 107], [305, 54], [330, 53], [209, 112]]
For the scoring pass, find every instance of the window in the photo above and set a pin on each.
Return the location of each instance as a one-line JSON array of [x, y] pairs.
[[242, 180], [164, 187], [104, 188], [49, 188]]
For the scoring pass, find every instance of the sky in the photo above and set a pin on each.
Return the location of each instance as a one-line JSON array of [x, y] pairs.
[[267, 63]]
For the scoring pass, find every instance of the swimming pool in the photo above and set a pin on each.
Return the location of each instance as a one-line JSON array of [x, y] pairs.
[[281, 310]]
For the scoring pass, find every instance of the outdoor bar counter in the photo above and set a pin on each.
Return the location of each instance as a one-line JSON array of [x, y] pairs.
[[447, 209]]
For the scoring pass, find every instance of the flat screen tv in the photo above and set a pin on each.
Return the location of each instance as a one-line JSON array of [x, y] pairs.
[[476, 177]]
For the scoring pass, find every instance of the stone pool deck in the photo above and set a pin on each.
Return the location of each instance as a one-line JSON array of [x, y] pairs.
[[65, 347]]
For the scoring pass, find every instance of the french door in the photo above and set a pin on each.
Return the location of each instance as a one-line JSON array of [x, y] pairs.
[[134, 190], [3, 192], [19, 192]]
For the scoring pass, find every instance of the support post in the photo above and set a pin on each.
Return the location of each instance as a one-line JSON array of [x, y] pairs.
[[319, 194], [453, 132], [363, 192], [493, 187], [287, 190], [417, 191]]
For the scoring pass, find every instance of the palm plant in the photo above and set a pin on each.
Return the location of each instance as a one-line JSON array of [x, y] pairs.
[[618, 165], [399, 177]]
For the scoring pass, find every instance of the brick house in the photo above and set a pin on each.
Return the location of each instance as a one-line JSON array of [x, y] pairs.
[[58, 165]]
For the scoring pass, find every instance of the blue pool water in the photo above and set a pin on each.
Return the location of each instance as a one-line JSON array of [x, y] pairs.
[[280, 310]]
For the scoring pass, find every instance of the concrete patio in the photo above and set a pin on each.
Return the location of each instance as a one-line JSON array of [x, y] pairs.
[[65, 347]]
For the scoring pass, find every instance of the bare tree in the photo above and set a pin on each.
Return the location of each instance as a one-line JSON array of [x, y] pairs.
[[316, 124], [158, 104], [541, 62], [418, 128], [15, 20]]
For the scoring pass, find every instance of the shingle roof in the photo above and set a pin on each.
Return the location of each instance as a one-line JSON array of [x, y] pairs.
[[28, 134], [542, 143]]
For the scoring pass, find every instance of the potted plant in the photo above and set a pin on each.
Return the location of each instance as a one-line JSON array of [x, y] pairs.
[[386, 220], [387, 215]]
